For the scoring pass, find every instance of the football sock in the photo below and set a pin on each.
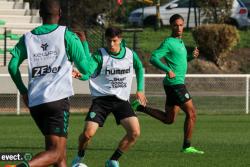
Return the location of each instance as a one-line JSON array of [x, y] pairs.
[[144, 109], [23, 164], [186, 144], [141, 108], [117, 154], [81, 153]]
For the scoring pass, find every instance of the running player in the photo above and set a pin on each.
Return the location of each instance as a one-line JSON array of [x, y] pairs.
[[50, 50], [173, 51]]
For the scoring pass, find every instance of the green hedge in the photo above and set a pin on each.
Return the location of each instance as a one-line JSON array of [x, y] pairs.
[[215, 41]]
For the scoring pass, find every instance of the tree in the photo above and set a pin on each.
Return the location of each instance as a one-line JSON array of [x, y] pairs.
[[84, 12], [216, 11]]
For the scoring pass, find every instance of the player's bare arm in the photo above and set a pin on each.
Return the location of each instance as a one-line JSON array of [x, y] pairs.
[[76, 74], [142, 98], [80, 34], [196, 52], [171, 74]]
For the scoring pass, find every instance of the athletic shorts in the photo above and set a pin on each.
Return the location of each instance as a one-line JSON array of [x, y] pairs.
[[52, 118], [102, 106], [176, 94]]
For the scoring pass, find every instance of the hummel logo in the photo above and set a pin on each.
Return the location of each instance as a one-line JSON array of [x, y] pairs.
[[44, 46]]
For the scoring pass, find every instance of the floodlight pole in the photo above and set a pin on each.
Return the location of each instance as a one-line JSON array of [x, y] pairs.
[[192, 3], [189, 11], [142, 17], [195, 13], [158, 16]]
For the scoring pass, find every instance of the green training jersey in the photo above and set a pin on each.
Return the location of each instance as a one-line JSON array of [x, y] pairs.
[[74, 50], [173, 52], [96, 65]]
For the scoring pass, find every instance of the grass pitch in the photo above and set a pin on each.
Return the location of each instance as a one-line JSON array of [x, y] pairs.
[[224, 138]]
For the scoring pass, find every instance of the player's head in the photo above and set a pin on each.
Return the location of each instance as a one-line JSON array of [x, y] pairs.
[[50, 9], [177, 24], [113, 38]]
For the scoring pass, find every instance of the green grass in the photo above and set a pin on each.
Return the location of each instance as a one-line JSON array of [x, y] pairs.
[[224, 138], [244, 39], [217, 104]]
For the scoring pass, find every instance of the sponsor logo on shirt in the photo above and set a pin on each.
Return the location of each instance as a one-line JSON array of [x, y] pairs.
[[45, 54], [43, 70], [44, 46], [117, 71], [118, 82]]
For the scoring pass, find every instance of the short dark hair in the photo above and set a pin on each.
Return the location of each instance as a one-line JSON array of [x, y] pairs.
[[113, 32], [50, 7], [175, 17]]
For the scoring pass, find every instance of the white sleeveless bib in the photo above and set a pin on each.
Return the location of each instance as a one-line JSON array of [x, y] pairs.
[[49, 69], [115, 77]]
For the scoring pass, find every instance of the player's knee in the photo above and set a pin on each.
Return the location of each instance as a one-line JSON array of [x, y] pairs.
[[87, 135], [61, 157], [191, 115], [134, 135], [137, 134], [57, 155]]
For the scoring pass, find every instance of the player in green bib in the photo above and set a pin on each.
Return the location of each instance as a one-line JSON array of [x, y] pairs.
[[173, 51]]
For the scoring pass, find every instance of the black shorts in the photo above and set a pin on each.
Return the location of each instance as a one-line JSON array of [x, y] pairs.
[[52, 118], [176, 94], [102, 106]]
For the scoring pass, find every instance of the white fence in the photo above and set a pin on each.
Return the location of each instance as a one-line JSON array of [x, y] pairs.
[[212, 93], [222, 93]]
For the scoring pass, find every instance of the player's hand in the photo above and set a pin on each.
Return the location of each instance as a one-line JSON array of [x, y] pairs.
[[26, 100], [80, 34], [76, 74], [196, 52], [142, 98], [171, 74]]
